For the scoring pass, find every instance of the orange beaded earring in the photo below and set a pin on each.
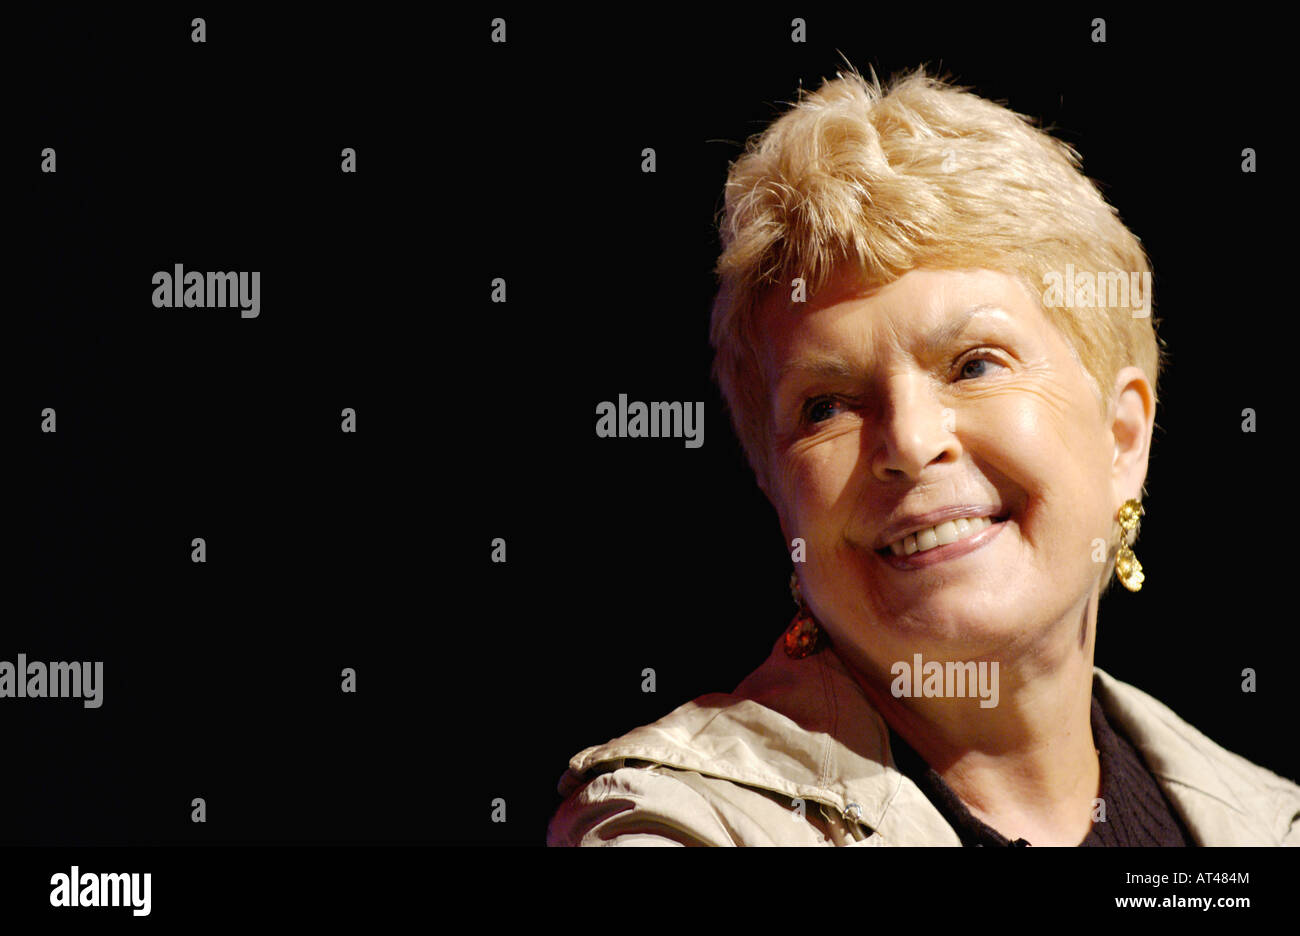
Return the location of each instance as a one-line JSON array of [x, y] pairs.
[[803, 637]]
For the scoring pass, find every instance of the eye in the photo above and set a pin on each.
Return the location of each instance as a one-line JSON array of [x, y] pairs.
[[976, 366], [820, 409]]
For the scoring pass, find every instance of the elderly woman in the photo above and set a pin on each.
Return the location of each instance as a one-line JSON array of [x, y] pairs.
[[935, 341]]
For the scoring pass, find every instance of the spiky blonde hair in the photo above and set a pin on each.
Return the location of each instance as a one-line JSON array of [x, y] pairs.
[[922, 174]]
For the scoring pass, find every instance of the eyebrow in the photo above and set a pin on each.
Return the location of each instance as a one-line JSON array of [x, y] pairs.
[[820, 366], [945, 335]]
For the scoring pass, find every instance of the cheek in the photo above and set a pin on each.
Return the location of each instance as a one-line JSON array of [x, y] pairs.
[[813, 482], [1056, 454], [1038, 439]]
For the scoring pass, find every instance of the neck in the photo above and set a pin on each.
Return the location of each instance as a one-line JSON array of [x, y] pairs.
[[1026, 766]]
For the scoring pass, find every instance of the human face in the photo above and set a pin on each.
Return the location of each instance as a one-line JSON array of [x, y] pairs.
[[942, 394]]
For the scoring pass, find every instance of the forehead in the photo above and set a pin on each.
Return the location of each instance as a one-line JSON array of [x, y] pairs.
[[848, 315]]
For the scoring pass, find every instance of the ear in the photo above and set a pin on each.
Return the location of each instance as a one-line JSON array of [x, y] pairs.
[[1132, 424]]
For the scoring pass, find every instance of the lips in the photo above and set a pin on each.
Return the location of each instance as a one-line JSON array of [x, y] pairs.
[[943, 534], [975, 539], [937, 528]]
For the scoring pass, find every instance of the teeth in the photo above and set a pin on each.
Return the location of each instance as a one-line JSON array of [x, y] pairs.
[[950, 531]]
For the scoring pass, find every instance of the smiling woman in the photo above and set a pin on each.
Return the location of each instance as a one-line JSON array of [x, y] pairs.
[[963, 458]]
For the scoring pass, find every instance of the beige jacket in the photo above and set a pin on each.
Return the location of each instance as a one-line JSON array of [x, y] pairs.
[[798, 756]]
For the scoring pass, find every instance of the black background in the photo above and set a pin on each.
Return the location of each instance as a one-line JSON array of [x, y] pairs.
[[476, 420]]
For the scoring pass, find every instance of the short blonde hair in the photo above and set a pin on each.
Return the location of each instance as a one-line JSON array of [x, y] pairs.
[[924, 174]]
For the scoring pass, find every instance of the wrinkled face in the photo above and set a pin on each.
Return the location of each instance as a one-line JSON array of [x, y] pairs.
[[945, 458]]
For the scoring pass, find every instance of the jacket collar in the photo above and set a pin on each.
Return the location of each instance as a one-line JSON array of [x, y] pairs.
[[804, 728], [1222, 798]]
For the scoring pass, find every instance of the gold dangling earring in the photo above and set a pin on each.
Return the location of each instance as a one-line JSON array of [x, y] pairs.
[[803, 637], [1127, 568]]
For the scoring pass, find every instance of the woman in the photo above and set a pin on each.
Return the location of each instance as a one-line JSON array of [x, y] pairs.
[[934, 337]]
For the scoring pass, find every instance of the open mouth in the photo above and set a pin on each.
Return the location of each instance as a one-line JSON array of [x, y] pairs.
[[948, 533]]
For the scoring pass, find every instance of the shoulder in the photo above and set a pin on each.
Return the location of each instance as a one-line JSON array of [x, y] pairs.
[[766, 764], [643, 803], [1224, 798]]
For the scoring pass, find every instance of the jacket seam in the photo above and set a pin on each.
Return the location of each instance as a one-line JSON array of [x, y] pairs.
[[828, 691]]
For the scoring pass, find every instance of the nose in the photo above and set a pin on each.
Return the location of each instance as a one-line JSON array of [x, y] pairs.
[[915, 430]]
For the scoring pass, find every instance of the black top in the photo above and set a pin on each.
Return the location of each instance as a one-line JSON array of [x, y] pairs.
[[1136, 811]]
